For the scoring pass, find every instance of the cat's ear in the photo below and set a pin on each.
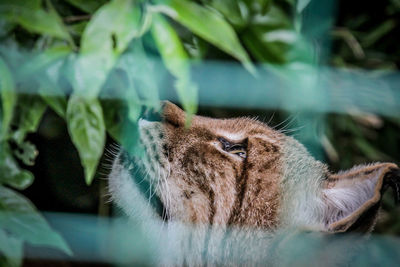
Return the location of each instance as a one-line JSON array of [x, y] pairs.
[[352, 198], [173, 114]]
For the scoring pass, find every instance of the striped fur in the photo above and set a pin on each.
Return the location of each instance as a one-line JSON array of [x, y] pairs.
[[277, 186]]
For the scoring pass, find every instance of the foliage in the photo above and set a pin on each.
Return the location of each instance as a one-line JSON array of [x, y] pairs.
[[77, 56], [366, 41], [68, 55]]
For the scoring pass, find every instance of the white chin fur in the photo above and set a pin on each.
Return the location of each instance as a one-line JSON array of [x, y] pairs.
[[127, 195]]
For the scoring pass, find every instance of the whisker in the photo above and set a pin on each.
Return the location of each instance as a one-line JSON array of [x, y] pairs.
[[292, 130], [270, 119], [294, 117]]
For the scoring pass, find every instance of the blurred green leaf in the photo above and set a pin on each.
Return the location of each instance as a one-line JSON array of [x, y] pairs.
[[53, 96], [176, 61], [139, 71], [50, 66], [197, 48], [87, 130], [113, 118], [263, 5], [265, 50], [209, 25], [43, 60], [106, 36], [20, 218], [8, 98], [10, 172], [270, 36], [236, 12], [77, 29], [11, 248], [34, 19], [369, 150], [130, 139], [31, 4], [301, 5], [376, 34], [29, 112], [88, 6], [27, 153], [5, 27], [132, 99]]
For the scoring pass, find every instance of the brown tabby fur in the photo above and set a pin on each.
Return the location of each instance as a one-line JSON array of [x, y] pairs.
[[277, 186], [232, 190]]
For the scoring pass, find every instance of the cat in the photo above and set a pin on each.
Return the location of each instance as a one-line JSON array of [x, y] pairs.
[[224, 190]]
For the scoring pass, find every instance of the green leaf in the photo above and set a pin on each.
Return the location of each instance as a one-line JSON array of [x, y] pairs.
[[77, 29], [123, 130], [196, 47], [29, 110], [53, 95], [236, 12], [369, 150], [30, 4], [139, 71], [265, 49], [20, 218], [44, 60], [380, 31], [301, 5], [46, 68], [113, 118], [11, 248], [27, 153], [86, 128], [88, 6], [270, 37], [106, 36], [5, 27], [35, 19], [176, 61], [8, 98], [10, 172], [207, 24], [134, 107]]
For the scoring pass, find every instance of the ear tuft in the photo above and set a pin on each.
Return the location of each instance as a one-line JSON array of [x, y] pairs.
[[352, 197]]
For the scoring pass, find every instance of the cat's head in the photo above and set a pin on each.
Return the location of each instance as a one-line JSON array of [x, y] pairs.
[[242, 172]]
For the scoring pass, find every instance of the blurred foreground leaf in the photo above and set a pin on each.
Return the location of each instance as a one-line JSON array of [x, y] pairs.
[[105, 37], [8, 99], [209, 25], [87, 130], [87, 5], [11, 249], [26, 152], [10, 173], [21, 220], [140, 73], [43, 61], [29, 110], [53, 96], [33, 18], [301, 5], [269, 36], [176, 61]]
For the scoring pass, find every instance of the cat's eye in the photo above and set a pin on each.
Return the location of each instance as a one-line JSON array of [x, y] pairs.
[[238, 149]]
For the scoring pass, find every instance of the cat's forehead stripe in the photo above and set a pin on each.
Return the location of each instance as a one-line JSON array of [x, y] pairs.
[[231, 136]]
